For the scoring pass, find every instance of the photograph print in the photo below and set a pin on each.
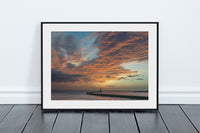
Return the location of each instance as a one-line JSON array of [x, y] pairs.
[[100, 63]]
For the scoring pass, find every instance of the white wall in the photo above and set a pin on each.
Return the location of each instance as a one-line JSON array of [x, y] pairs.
[[20, 41]]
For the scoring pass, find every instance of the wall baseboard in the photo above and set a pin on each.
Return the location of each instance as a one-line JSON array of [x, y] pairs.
[[179, 97], [165, 97], [20, 97]]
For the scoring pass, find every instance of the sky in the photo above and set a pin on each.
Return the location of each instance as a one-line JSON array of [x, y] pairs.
[[93, 60]]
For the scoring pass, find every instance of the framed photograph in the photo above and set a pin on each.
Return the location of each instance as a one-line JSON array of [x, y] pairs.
[[99, 65]]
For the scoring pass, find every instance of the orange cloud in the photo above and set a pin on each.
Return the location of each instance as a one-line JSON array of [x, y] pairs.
[[115, 48], [58, 61]]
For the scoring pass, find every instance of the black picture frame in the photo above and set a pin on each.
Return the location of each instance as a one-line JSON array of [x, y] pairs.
[[157, 65]]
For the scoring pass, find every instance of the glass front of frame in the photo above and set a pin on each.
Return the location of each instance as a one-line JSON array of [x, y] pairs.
[[105, 64]]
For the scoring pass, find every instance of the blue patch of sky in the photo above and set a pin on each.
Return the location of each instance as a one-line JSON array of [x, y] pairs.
[[78, 35], [86, 41], [141, 67]]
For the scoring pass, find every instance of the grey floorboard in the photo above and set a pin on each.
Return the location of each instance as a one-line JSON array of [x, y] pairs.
[[40, 122], [122, 122], [68, 122], [95, 122], [150, 122], [16, 119], [175, 119], [193, 112], [30, 119], [4, 109]]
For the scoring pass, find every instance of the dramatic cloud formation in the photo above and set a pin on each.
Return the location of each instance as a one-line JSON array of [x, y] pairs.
[[58, 76], [139, 79], [130, 76], [97, 57]]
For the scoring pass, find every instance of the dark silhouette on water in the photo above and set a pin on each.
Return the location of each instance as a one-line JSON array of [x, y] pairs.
[[107, 94], [140, 91]]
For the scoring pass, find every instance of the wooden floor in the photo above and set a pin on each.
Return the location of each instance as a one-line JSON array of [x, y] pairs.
[[169, 118]]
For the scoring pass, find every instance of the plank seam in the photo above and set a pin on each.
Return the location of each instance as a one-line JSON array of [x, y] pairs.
[[54, 121], [164, 122], [136, 122], [81, 122], [7, 113], [29, 119], [189, 118], [109, 122]]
